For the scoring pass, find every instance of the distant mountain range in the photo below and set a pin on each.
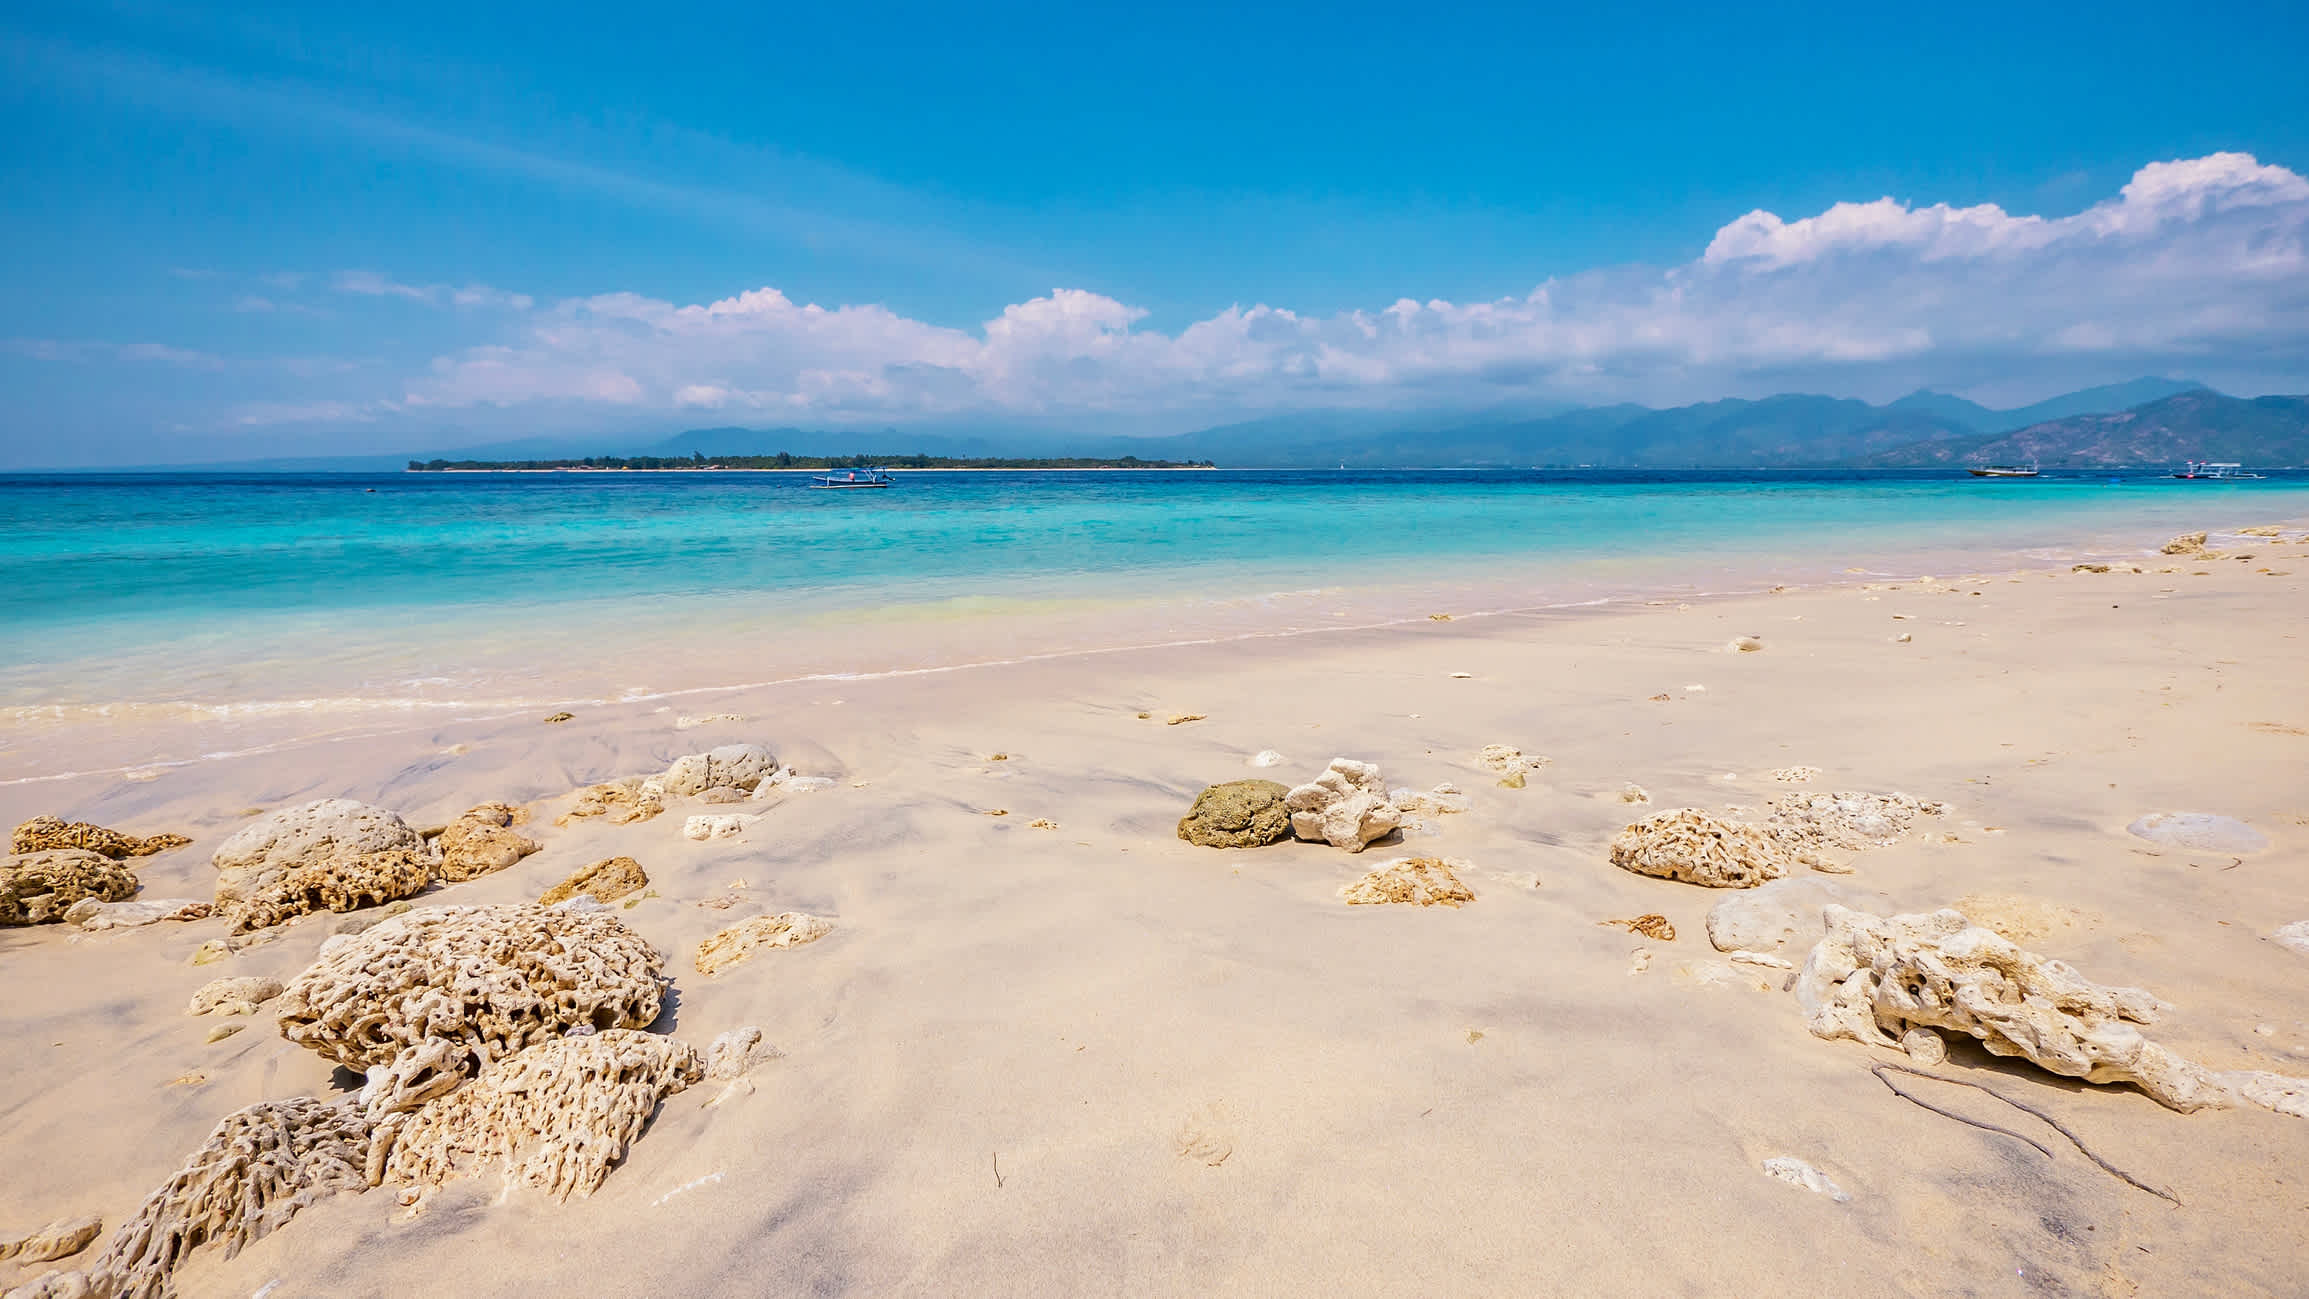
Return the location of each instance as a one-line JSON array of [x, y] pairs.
[[2144, 422], [2266, 432], [2150, 421]]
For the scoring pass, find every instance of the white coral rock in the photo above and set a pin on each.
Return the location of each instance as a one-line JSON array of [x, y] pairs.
[[1346, 806]]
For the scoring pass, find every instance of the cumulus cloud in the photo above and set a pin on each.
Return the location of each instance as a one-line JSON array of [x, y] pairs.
[[2192, 261]]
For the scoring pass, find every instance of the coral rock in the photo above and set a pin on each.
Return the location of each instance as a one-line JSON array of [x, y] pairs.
[[92, 914], [741, 940], [1238, 814], [266, 849], [1689, 845], [2293, 937], [59, 1239], [555, 1116], [606, 880], [728, 825], [41, 887], [456, 988], [1848, 820], [1506, 759], [2188, 543], [1872, 979], [234, 996], [1345, 807], [482, 842], [1420, 881], [338, 884], [43, 833], [1444, 800], [618, 802], [256, 1171], [740, 765]]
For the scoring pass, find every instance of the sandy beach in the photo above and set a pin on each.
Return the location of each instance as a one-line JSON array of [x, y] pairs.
[[1050, 1048]]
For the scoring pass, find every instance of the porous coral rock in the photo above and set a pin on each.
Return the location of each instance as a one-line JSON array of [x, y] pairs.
[[740, 765], [606, 880], [338, 884], [95, 914], [43, 833], [1420, 881], [261, 852], [59, 1239], [1873, 978], [618, 802], [1845, 820], [482, 982], [2188, 543], [1238, 814], [239, 996], [482, 841], [743, 939], [1690, 845], [728, 825], [257, 1170], [39, 888], [1506, 759], [555, 1116], [1345, 807]]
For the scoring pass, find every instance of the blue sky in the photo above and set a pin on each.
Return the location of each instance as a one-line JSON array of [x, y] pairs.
[[273, 229]]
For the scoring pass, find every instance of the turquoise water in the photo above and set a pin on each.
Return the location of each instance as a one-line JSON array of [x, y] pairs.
[[234, 589]]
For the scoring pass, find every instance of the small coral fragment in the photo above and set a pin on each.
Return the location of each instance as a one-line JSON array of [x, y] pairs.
[[606, 880], [234, 996], [618, 802], [1421, 881], [743, 939], [481, 842], [1650, 926], [43, 833]]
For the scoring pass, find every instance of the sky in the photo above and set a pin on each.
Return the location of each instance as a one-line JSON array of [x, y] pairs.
[[255, 230]]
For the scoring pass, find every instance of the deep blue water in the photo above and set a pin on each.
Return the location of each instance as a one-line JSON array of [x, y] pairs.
[[100, 566]]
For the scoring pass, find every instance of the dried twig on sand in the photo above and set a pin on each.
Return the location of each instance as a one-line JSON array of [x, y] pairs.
[[2055, 1124]]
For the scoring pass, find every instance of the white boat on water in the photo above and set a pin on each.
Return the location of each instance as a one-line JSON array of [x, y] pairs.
[[2004, 471], [849, 478], [2215, 471]]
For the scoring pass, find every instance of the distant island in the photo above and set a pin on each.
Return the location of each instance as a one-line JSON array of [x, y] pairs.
[[783, 460]]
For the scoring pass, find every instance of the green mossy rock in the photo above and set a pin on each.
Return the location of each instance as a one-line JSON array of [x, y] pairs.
[[1238, 814]]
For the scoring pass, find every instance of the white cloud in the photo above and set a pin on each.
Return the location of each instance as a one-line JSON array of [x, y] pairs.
[[2193, 259]]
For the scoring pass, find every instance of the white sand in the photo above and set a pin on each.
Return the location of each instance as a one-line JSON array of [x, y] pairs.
[[1201, 1073]]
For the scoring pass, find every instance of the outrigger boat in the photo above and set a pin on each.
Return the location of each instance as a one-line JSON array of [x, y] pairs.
[[855, 478], [2219, 471], [2004, 471]]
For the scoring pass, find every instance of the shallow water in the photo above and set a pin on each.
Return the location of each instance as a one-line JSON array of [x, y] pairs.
[[201, 595]]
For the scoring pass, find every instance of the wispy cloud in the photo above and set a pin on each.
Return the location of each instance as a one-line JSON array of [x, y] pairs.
[[375, 285], [86, 351]]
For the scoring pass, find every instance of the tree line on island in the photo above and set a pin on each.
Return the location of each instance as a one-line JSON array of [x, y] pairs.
[[787, 460]]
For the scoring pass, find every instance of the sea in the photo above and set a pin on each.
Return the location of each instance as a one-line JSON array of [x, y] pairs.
[[345, 598]]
